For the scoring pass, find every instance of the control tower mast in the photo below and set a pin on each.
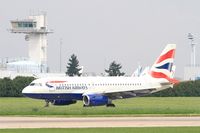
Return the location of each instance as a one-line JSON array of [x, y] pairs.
[[35, 30], [193, 50]]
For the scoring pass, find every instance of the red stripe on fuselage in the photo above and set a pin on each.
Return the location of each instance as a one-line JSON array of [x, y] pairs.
[[169, 54], [57, 81]]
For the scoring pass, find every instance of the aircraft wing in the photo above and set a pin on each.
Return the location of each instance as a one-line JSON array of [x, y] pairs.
[[124, 94], [129, 94]]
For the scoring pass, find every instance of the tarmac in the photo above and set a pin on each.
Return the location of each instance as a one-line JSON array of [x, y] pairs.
[[93, 122]]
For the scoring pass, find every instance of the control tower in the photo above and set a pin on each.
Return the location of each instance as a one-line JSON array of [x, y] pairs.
[[35, 30]]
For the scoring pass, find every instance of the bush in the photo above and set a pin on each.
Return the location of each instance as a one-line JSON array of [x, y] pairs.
[[184, 89], [13, 88]]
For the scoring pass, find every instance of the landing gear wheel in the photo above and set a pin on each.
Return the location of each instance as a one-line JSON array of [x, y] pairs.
[[85, 106], [47, 103], [110, 105]]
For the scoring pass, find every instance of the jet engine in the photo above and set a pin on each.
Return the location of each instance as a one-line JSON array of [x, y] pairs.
[[95, 100]]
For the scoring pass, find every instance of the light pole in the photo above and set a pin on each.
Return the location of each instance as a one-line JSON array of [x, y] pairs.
[[193, 49], [60, 55]]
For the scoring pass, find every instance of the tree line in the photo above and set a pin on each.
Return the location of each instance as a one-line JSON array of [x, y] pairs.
[[183, 89], [73, 68], [13, 88]]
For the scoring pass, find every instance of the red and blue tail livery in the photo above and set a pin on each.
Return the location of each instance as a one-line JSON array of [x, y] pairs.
[[162, 68]]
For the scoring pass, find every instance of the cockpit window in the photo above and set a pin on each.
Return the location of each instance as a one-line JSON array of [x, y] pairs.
[[32, 84], [35, 84]]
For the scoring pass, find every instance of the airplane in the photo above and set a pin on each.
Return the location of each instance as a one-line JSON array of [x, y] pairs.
[[137, 72], [140, 71], [101, 91]]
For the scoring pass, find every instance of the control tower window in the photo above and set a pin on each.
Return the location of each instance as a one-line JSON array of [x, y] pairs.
[[30, 25], [19, 25], [26, 24]]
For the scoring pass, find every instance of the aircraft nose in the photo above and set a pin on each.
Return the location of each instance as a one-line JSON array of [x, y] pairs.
[[28, 92], [25, 91]]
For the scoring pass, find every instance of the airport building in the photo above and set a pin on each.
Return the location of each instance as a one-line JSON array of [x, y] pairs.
[[192, 72], [35, 30]]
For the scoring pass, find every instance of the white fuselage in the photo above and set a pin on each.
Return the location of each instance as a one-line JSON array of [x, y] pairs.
[[95, 85]]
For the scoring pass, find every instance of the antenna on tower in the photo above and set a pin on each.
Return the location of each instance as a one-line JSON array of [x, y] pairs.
[[193, 49]]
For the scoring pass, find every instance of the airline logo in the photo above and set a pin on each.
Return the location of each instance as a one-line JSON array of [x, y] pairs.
[[168, 55], [49, 83], [163, 66]]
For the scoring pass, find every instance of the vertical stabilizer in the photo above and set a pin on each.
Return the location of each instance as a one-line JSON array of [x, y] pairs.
[[163, 66]]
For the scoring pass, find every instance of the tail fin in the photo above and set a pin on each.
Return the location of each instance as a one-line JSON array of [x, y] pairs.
[[173, 71], [162, 68]]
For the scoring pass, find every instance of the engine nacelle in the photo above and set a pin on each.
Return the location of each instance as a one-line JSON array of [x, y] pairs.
[[95, 100], [63, 102]]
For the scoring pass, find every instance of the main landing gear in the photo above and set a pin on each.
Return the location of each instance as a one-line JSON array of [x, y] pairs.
[[110, 105], [85, 105], [46, 103]]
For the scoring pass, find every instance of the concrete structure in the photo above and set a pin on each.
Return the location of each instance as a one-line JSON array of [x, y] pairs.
[[192, 71], [14, 74], [193, 50], [35, 30], [23, 67]]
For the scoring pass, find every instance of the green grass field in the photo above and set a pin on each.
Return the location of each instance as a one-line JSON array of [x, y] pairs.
[[110, 130], [147, 106]]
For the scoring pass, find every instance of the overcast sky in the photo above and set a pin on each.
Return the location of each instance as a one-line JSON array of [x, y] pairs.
[[131, 32]]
